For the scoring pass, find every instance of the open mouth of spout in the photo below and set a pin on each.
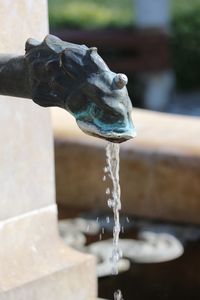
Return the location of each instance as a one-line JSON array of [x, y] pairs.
[[106, 124], [113, 134]]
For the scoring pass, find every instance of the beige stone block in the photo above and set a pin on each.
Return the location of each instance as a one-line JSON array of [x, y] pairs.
[[35, 264], [20, 20], [159, 171], [26, 152], [25, 157]]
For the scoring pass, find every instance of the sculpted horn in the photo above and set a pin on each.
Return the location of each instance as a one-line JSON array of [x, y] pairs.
[[120, 80], [92, 50]]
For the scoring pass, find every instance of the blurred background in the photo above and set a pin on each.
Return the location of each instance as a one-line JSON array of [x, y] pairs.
[[155, 42]]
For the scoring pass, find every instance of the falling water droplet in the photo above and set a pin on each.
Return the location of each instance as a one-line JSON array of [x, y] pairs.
[[118, 295], [110, 203], [102, 230], [107, 219], [104, 178], [108, 191], [105, 169], [127, 220]]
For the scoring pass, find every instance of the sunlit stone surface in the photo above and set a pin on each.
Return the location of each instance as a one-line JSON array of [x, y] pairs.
[[34, 263]]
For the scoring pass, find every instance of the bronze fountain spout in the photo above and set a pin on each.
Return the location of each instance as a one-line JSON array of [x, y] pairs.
[[73, 77]]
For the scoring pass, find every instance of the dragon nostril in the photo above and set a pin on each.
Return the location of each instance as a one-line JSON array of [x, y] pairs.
[[120, 80]]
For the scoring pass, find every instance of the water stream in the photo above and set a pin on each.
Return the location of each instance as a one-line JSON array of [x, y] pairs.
[[114, 202]]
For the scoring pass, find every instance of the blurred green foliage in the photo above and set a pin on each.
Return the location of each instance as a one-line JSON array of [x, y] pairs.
[[120, 13], [186, 44], [90, 13], [104, 13], [181, 7]]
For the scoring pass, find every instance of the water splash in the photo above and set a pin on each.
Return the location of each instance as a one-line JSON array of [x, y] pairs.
[[118, 295], [112, 168], [110, 203]]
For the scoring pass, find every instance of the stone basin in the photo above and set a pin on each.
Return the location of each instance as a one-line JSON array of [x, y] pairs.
[[152, 166]]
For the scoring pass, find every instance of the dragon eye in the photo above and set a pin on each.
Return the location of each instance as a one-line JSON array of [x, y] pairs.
[[120, 80]]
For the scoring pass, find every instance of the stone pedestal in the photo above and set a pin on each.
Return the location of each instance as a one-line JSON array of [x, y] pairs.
[[34, 263]]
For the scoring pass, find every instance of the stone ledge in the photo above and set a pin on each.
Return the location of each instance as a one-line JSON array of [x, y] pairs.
[[160, 169], [35, 263]]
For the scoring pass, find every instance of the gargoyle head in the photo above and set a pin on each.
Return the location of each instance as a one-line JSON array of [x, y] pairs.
[[76, 78]]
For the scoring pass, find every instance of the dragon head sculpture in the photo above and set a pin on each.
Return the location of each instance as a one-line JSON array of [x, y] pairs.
[[76, 78]]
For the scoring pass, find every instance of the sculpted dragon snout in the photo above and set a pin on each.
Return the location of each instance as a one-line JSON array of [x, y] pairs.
[[74, 77]]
